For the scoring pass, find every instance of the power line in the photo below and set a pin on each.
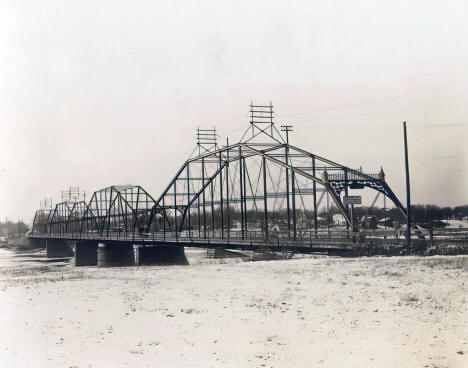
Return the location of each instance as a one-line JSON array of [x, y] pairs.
[[344, 106], [383, 127]]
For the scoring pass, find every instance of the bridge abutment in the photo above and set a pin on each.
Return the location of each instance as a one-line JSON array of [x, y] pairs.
[[58, 248], [86, 253], [159, 255]]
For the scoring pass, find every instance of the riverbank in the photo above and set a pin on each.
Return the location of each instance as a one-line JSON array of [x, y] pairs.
[[328, 312]]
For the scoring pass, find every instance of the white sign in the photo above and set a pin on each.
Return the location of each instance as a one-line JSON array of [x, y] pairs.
[[352, 199]]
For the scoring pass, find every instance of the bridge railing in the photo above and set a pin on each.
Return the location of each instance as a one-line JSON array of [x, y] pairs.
[[309, 237], [353, 176], [322, 237]]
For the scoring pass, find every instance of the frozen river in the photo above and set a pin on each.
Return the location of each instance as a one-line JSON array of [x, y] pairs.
[[329, 312]]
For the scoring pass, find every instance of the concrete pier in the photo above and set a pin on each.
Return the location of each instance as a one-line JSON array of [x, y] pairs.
[[115, 255], [58, 248], [86, 253], [159, 255]]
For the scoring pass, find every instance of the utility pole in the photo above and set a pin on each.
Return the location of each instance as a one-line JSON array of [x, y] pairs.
[[287, 129], [408, 196]]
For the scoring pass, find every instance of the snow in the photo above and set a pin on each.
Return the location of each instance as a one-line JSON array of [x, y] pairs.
[[339, 219], [455, 223], [308, 312]]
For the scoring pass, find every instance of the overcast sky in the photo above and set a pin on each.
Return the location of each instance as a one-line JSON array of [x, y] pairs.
[[95, 93]]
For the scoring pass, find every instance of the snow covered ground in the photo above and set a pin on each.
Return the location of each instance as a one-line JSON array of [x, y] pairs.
[[324, 312], [456, 224]]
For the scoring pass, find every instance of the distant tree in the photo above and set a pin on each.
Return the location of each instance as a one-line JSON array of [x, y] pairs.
[[13, 228]]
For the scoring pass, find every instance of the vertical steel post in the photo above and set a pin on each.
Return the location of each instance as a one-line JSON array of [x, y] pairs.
[[227, 193], [245, 196], [204, 208], [101, 210], [212, 208], [314, 188], [221, 204], [346, 194], [288, 206], [199, 216], [385, 211], [164, 219], [241, 189], [293, 190], [265, 201], [408, 194], [287, 129], [126, 218], [188, 201], [175, 209]]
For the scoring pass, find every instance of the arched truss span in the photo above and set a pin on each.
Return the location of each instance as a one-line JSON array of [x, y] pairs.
[[75, 218], [58, 219], [115, 211], [271, 189], [118, 211]]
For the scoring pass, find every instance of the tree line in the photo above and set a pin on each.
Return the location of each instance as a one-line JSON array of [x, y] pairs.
[[11, 228], [424, 214]]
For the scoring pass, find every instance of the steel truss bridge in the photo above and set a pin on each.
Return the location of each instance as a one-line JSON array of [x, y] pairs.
[[259, 192]]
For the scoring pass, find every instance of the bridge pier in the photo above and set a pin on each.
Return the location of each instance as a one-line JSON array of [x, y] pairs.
[[86, 253], [159, 255], [115, 255], [58, 248]]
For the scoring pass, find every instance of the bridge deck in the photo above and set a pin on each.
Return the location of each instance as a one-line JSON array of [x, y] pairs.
[[310, 243], [299, 245]]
